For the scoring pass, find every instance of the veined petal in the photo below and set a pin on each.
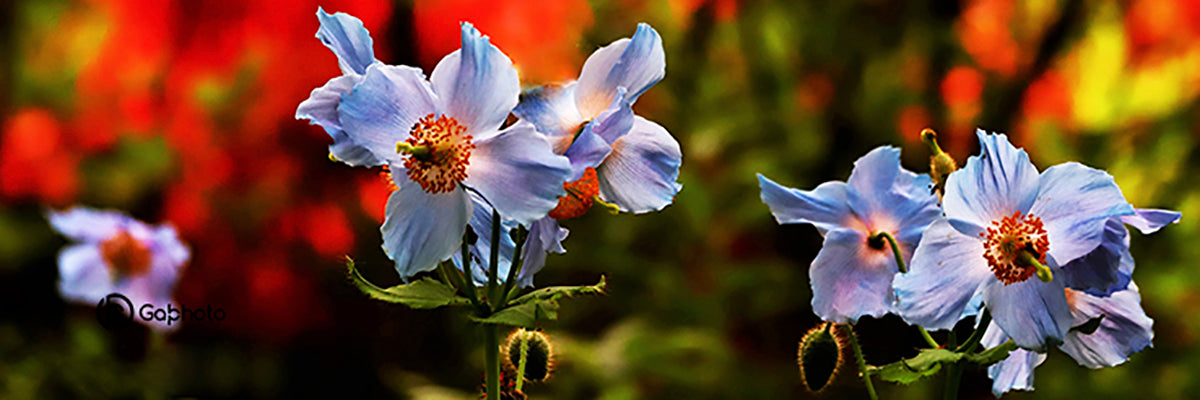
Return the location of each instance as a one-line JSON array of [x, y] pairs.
[[349, 40], [344, 149], [422, 229], [89, 225], [517, 173], [1125, 329], [382, 109], [614, 122], [1033, 313], [545, 236], [83, 275], [477, 85], [551, 109], [635, 64], [825, 207], [321, 108], [587, 151], [850, 280], [639, 175], [1149, 220], [991, 186], [1099, 272], [883, 192], [481, 250], [1074, 202], [947, 271], [1014, 372]]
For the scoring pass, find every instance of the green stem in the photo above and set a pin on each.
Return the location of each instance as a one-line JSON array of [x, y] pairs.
[[954, 373], [862, 363], [973, 340], [469, 285], [903, 268], [492, 357], [494, 262], [515, 266], [521, 365]]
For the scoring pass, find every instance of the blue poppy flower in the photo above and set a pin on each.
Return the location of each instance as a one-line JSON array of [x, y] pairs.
[[852, 275], [591, 122], [1124, 327], [113, 253], [351, 43], [1002, 220], [441, 137]]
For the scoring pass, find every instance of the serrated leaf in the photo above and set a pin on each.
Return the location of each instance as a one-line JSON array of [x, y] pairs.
[[425, 293], [992, 355], [560, 292], [523, 315], [927, 363]]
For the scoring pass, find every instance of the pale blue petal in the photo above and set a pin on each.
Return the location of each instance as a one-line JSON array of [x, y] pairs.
[[588, 151], [382, 109], [552, 110], [476, 85], [825, 207], [947, 271], [992, 185], [321, 108], [344, 149], [881, 191], [635, 64], [1099, 272], [422, 229], [89, 225], [1033, 313], [83, 274], [349, 40], [1015, 372], [1125, 329], [1074, 202], [640, 174], [481, 250], [518, 173], [614, 122], [850, 280], [545, 236], [1149, 220]]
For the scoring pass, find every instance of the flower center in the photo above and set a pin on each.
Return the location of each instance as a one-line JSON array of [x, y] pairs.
[[436, 153], [1011, 245], [581, 194], [126, 256]]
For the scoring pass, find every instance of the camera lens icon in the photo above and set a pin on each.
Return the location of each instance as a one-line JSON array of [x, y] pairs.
[[115, 312]]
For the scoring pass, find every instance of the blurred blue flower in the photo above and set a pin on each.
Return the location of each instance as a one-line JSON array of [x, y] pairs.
[[1001, 215], [350, 41], [441, 138], [1124, 327], [113, 253], [852, 275], [592, 123]]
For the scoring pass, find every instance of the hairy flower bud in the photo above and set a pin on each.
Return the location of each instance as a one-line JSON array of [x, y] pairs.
[[940, 163], [820, 356], [529, 354]]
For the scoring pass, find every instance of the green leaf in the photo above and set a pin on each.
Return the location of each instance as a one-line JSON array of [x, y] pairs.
[[992, 355], [538, 305], [422, 294], [927, 363]]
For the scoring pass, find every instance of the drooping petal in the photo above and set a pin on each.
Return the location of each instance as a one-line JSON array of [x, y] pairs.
[[881, 191], [382, 109], [422, 229], [825, 207], [88, 225], [615, 121], [1099, 272], [545, 236], [1149, 220], [83, 274], [947, 271], [1014, 372], [1033, 313], [635, 64], [1074, 202], [481, 250], [321, 108], [850, 280], [588, 151], [476, 85], [1124, 328], [551, 109], [639, 175], [349, 40], [992, 185], [518, 173]]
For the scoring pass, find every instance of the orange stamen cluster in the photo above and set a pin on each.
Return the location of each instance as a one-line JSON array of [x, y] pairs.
[[126, 256], [580, 196], [1007, 238], [447, 151]]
